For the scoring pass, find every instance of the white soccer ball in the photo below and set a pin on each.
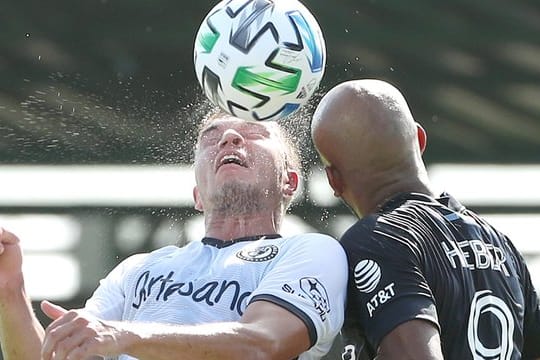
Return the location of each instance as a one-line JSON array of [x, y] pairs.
[[259, 59]]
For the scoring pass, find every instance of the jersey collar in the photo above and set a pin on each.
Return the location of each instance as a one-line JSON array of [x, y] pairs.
[[444, 199], [224, 243]]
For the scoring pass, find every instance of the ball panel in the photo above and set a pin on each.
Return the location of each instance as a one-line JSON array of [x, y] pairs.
[[286, 110], [313, 41], [251, 27], [212, 86], [208, 40]]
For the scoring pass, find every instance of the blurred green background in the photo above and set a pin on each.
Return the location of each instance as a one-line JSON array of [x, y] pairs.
[[470, 70], [112, 82]]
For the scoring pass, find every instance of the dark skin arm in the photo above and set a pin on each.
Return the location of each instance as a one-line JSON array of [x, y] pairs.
[[415, 339]]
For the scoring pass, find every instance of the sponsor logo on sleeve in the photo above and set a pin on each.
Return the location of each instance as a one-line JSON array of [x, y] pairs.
[[381, 296], [367, 274]]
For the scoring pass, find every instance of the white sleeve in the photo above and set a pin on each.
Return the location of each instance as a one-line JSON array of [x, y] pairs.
[[107, 301], [310, 280]]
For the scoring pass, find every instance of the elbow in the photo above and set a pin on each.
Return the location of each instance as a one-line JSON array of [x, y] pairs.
[[272, 349], [266, 347], [265, 350]]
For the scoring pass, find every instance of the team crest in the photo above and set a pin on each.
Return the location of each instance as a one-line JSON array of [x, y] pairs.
[[258, 254]]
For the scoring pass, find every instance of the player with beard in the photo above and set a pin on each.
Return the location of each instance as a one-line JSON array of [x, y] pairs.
[[429, 279], [243, 292]]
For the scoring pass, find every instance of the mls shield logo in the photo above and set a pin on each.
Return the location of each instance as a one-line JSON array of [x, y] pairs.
[[314, 290]]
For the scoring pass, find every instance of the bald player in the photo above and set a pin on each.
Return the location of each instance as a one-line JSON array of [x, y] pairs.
[[429, 279]]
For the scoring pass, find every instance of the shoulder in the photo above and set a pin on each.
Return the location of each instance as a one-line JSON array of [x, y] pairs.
[[391, 234], [311, 236], [313, 246], [168, 250], [312, 239], [363, 229], [140, 259], [157, 253]]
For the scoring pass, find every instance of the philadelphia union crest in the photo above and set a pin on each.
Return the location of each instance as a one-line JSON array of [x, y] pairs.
[[259, 253]]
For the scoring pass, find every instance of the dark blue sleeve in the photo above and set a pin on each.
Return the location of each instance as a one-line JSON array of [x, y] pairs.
[[531, 325], [387, 286]]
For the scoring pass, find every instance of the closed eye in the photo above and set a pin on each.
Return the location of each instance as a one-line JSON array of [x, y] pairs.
[[256, 136]]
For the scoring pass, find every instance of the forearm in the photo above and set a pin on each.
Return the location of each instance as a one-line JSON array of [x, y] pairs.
[[209, 341], [265, 331], [21, 334]]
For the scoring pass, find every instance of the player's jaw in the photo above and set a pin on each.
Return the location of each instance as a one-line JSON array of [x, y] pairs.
[[254, 170]]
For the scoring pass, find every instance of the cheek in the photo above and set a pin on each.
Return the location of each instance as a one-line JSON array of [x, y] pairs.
[[200, 169], [204, 160], [266, 161], [269, 155], [270, 170]]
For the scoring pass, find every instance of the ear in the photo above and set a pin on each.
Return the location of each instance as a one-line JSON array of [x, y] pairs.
[[422, 137], [291, 183], [335, 180], [197, 198]]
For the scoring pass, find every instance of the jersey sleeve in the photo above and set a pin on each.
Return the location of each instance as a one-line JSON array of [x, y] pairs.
[[309, 280], [387, 286], [107, 301], [531, 323]]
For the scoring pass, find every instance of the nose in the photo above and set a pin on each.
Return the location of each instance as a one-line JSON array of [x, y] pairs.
[[231, 137]]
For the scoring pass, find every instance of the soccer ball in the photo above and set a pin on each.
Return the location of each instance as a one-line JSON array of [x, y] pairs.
[[259, 59]]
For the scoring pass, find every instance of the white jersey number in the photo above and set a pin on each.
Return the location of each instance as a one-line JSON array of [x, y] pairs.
[[485, 304]]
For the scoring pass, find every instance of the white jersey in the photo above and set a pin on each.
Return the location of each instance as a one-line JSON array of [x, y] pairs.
[[213, 281]]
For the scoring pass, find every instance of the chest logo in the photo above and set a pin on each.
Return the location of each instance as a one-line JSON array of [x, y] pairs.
[[259, 253]]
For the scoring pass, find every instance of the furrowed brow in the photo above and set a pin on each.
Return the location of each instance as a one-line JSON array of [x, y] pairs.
[[207, 130]]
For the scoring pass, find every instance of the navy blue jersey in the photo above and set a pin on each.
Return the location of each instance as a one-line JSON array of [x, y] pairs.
[[432, 259]]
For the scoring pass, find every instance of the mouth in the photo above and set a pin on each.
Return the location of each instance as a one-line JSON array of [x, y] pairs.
[[233, 159]]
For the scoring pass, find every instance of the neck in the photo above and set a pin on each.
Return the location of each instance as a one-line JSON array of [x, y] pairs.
[[233, 227], [370, 195]]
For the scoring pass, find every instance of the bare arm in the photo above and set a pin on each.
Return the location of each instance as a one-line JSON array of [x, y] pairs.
[[415, 339], [20, 331], [266, 331]]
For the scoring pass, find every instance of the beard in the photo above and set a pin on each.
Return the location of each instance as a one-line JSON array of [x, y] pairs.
[[236, 198]]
